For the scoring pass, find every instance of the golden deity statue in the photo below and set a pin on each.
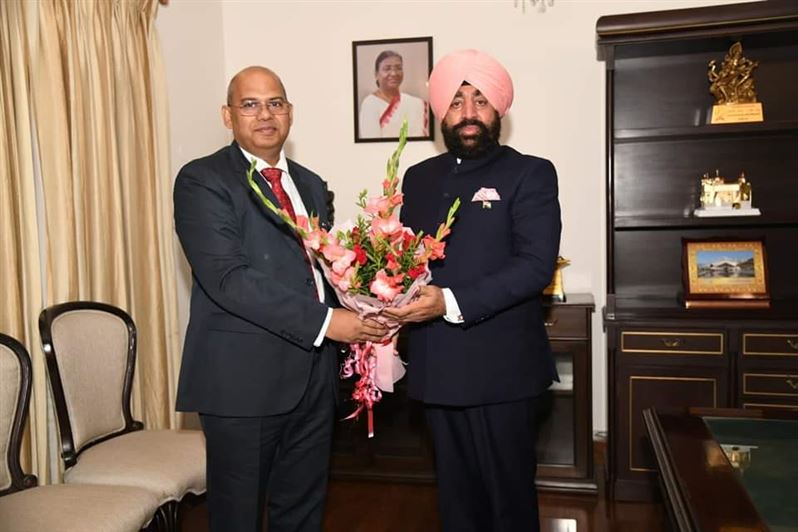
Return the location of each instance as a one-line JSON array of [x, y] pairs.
[[733, 82]]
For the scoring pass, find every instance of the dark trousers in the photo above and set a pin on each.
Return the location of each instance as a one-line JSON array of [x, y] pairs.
[[485, 461], [282, 458]]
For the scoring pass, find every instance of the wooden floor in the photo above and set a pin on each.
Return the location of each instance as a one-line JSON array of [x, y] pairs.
[[362, 507], [394, 507]]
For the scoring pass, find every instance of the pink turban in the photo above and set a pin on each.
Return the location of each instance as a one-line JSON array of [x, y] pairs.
[[477, 68]]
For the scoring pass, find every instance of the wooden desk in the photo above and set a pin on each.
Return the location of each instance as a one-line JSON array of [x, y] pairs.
[[704, 492]]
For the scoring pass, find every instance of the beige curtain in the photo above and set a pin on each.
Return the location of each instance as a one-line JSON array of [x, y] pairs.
[[20, 265], [98, 132]]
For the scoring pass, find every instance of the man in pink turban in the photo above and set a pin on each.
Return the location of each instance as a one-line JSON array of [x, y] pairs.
[[479, 355]]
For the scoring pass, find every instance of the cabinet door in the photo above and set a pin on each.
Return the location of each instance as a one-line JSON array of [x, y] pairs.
[[666, 388], [564, 440]]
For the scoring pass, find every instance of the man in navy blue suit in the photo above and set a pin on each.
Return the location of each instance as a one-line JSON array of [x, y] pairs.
[[479, 356], [259, 361]]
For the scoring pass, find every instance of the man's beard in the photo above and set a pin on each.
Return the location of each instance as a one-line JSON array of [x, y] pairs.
[[483, 142]]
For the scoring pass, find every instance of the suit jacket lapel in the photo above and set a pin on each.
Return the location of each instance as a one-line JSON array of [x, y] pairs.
[[305, 191]]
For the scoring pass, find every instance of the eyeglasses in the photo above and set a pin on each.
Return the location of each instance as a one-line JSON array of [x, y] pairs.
[[254, 107]]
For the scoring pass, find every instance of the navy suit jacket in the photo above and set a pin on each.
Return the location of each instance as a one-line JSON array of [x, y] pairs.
[[255, 311], [499, 257]]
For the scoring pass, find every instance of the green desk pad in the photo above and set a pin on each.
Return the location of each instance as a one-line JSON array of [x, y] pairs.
[[771, 477]]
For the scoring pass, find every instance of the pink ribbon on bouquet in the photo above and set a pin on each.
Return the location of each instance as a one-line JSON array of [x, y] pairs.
[[379, 367]]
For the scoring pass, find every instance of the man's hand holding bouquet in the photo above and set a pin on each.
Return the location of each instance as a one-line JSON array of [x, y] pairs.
[[372, 264]]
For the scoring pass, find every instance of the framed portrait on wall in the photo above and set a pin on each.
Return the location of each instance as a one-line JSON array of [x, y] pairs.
[[725, 273], [390, 86]]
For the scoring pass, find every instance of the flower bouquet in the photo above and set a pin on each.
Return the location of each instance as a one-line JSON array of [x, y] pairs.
[[372, 264]]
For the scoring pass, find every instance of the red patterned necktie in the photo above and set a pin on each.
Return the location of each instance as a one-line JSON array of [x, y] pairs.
[[273, 176]]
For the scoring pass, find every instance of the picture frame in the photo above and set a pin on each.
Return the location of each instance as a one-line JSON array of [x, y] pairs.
[[725, 273], [403, 67]]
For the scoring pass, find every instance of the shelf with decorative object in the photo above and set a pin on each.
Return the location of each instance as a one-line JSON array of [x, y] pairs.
[[660, 142], [715, 131], [632, 223]]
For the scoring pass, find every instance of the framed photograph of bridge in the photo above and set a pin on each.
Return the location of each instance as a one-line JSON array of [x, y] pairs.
[[725, 273]]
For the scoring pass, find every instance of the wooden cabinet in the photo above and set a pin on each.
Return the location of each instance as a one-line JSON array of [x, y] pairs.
[[664, 364], [659, 144], [401, 449], [677, 358], [565, 441], [768, 369]]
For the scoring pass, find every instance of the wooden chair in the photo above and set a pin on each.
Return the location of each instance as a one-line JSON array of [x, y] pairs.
[[26, 507], [90, 350]]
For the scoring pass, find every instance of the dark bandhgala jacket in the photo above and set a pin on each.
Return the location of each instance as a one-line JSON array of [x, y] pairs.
[[499, 257], [255, 312]]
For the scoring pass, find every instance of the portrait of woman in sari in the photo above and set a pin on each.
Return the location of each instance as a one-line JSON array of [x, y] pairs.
[[383, 111]]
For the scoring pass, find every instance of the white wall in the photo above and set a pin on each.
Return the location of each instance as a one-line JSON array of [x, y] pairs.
[[558, 111], [192, 44]]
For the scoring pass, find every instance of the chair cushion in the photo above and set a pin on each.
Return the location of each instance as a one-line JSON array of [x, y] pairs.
[[77, 508], [168, 463]]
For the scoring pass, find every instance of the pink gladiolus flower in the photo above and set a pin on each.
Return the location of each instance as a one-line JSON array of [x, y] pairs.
[[330, 240], [378, 205], [434, 247], [397, 199], [315, 239], [344, 281], [397, 241], [333, 251], [384, 287], [386, 227], [302, 221], [344, 262]]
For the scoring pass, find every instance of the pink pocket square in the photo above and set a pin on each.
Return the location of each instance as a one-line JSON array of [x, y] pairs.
[[486, 194]]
